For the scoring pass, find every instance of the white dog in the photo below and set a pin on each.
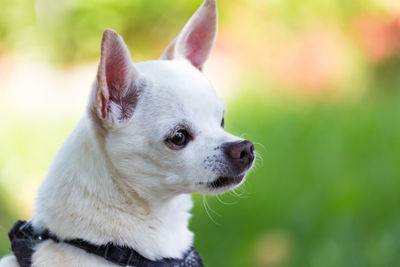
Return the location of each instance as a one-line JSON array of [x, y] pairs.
[[120, 184]]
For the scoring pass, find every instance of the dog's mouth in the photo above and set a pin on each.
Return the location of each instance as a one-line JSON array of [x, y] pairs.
[[224, 181]]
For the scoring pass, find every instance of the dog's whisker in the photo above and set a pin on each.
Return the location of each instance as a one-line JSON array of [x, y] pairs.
[[239, 195], [211, 209], [224, 202], [259, 161], [234, 193], [243, 135], [259, 156], [208, 213], [241, 192], [257, 164], [259, 144], [243, 189]]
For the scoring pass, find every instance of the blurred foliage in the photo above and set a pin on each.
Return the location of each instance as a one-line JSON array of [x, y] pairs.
[[69, 31], [6, 219], [325, 191], [27, 146]]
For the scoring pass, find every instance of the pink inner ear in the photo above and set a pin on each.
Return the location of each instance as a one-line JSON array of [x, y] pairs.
[[117, 64], [199, 41]]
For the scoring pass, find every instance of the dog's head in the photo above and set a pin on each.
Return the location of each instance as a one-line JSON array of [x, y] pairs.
[[162, 123]]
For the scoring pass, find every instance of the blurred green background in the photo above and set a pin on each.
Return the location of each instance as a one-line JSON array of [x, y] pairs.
[[314, 83]]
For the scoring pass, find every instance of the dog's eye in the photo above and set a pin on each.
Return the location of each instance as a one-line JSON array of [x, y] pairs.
[[223, 123], [178, 140]]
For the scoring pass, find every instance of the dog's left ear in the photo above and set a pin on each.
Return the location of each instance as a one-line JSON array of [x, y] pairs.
[[116, 93], [195, 41]]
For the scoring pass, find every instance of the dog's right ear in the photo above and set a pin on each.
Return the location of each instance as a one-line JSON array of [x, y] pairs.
[[116, 94], [196, 39]]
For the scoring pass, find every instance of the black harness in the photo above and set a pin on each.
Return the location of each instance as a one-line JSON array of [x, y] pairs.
[[24, 238]]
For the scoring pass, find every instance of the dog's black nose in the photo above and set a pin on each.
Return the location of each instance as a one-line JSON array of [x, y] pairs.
[[241, 153]]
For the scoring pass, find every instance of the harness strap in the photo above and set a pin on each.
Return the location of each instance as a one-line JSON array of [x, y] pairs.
[[24, 238]]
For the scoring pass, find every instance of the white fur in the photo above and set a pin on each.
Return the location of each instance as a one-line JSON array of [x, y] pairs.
[[9, 261], [115, 180]]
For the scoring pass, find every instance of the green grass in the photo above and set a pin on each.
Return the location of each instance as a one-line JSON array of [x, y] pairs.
[[325, 193]]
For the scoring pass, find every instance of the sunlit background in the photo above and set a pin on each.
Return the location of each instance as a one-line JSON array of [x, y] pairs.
[[314, 83]]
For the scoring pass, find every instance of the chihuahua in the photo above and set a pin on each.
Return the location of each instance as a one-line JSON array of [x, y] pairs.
[[118, 190]]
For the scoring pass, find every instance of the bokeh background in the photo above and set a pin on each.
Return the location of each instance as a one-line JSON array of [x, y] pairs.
[[314, 83]]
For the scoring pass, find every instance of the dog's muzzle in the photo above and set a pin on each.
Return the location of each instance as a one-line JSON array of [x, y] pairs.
[[239, 158], [240, 154]]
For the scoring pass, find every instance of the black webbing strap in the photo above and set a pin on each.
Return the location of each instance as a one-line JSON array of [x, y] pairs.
[[23, 239]]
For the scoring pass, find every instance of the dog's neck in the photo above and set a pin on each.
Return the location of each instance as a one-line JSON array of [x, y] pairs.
[[84, 197]]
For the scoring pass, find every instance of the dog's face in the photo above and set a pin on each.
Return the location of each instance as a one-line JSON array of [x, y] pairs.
[[163, 124]]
